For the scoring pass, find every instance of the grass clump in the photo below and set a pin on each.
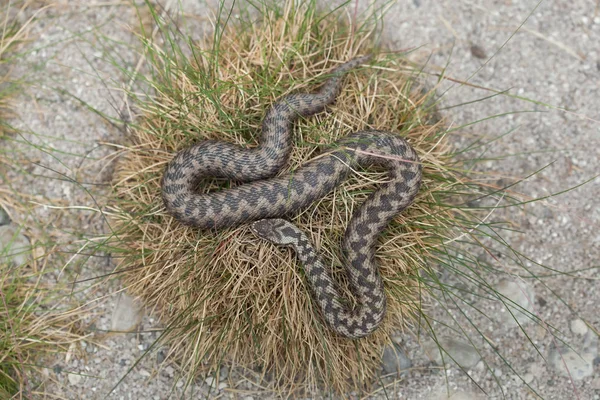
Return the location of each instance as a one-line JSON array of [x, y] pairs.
[[32, 327], [227, 297]]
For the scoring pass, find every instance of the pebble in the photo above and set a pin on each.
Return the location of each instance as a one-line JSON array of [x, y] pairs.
[[576, 364], [578, 327], [210, 381], [528, 378], [160, 356], [223, 372], [127, 314], [4, 218], [442, 394], [397, 339], [144, 373], [517, 302], [453, 350], [394, 360], [464, 396], [14, 246], [74, 379]]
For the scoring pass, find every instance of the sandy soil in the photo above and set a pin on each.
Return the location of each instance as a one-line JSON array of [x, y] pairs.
[[553, 59]]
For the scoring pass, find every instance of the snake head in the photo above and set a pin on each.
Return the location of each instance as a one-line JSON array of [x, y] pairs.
[[276, 230]]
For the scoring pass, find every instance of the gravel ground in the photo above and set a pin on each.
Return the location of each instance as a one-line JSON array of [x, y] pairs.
[[553, 59]]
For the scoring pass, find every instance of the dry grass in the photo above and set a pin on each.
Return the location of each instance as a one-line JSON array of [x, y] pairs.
[[228, 297], [32, 327]]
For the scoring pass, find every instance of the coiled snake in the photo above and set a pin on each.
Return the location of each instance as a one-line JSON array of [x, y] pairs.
[[264, 197]]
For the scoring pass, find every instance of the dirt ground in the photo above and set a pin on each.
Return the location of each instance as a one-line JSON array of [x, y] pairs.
[[553, 58]]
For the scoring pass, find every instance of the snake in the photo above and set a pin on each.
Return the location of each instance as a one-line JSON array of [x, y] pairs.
[[264, 197]]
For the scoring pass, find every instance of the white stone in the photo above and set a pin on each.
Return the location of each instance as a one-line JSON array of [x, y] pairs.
[[210, 381], [578, 327], [74, 379], [127, 314], [449, 350], [517, 302], [571, 364]]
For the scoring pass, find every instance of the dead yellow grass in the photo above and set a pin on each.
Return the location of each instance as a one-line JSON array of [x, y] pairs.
[[228, 297]]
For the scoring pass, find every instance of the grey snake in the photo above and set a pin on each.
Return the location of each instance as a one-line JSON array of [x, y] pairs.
[[263, 197]]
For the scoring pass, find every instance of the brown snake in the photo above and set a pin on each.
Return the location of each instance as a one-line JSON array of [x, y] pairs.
[[264, 197]]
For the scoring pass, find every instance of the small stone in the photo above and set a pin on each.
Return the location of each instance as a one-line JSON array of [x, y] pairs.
[[578, 327], [169, 371], [517, 302], [480, 366], [570, 363], [74, 379], [127, 314], [394, 360], [223, 372], [4, 218], [397, 339], [223, 385], [248, 398], [478, 52], [144, 373], [541, 301], [210, 381], [160, 356], [442, 394], [14, 246], [449, 350], [528, 378], [497, 373]]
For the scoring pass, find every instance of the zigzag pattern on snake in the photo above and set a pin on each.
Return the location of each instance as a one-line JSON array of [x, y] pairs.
[[264, 197]]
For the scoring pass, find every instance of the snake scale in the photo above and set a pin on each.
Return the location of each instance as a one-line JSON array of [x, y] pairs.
[[263, 197]]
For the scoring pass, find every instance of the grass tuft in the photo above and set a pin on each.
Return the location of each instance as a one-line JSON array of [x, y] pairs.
[[227, 297]]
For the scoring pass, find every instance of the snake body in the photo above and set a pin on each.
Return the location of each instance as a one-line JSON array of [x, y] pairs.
[[263, 198]]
